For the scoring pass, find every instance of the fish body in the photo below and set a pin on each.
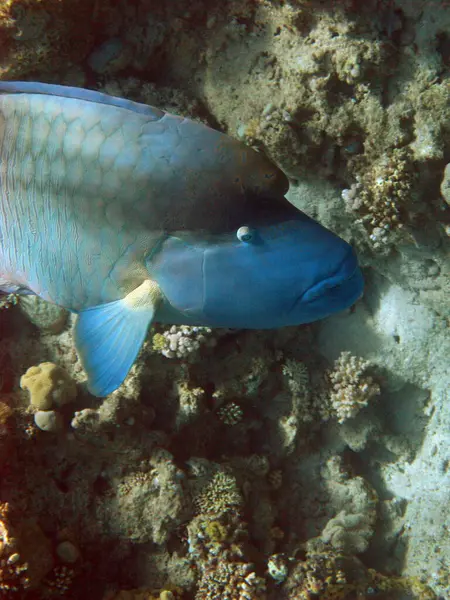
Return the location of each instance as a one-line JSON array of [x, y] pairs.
[[125, 214]]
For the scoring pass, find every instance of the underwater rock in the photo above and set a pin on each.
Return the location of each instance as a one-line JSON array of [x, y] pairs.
[[445, 184], [107, 57], [67, 552], [48, 317], [48, 420], [355, 501]]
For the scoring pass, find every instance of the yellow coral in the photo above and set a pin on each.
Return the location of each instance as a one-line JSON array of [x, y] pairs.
[[158, 342], [48, 384], [216, 531]]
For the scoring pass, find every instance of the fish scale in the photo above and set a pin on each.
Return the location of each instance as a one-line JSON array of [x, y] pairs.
[[127, 215], [60, 193]]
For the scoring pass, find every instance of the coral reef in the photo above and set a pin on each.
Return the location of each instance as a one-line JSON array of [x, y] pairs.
[[218, 544], [250, 465], [234, 581], [331, 575]]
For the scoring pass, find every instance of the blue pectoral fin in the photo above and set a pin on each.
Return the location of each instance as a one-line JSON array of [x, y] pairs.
[[108, 337]]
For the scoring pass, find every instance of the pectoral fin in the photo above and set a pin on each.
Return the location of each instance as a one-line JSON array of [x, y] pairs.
[[108, 337]]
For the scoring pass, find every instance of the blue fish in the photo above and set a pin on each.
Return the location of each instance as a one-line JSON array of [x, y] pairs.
[[127, 215]]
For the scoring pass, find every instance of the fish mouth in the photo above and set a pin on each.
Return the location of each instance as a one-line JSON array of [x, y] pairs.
[[347, 275]]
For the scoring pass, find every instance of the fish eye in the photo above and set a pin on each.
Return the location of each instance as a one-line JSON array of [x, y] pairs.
[[245, 234]]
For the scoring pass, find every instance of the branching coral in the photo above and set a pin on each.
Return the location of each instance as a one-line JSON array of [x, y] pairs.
[[297, 376], [352, 388], [59, 582], [381, 195], [230, 413], [230, 581], [325, 100], [220, 495], [183, 341]]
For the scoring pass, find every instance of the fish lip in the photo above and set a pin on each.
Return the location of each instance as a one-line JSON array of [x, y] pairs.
[[354, 274]]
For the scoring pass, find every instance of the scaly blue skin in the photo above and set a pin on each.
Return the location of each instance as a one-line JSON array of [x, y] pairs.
[[100, 194]]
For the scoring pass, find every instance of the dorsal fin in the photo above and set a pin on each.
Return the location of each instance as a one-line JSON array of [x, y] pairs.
[[50, 89]]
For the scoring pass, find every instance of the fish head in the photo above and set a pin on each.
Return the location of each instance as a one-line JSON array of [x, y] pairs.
[[269, 267]]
